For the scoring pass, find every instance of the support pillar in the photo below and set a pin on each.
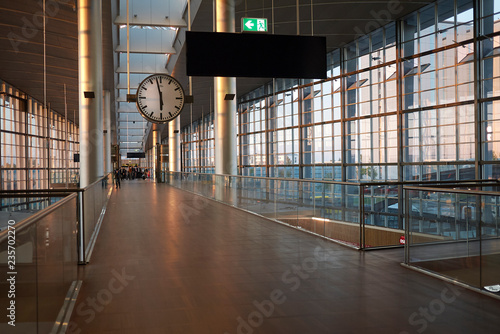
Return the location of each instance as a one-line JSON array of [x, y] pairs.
[[108, 167], [225, 106], [174, 144], [90, 90], [156, 153]]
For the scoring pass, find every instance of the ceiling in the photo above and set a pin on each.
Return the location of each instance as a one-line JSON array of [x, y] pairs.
[[22, 45], [339, 21], [22, 42]]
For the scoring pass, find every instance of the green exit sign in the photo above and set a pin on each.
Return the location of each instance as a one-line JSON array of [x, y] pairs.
[[253, 24]]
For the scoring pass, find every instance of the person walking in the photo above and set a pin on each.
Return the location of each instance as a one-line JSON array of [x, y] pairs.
[[117, 178]]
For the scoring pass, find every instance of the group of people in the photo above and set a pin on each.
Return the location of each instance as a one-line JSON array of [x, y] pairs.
[[129, 173]]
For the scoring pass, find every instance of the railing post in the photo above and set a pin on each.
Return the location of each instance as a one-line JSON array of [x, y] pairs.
[[479, 235], [406, 215], [361, 217], [401, 198], [81, 230]]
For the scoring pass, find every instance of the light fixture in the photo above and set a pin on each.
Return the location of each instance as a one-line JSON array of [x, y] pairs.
[[493, 288], [321, 219]]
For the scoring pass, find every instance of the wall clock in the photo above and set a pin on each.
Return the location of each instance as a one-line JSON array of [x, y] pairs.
[[160, 98]]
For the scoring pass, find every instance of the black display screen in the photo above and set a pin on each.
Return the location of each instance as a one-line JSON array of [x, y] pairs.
[[255, 55]]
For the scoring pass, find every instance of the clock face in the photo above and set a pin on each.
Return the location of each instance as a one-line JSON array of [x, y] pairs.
[[160, 98]]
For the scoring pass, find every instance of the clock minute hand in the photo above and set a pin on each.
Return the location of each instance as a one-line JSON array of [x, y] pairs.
[[161, 96]]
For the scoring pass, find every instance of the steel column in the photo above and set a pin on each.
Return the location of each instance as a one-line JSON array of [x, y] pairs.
[[174, 143], [225, 108], [108, 167], [90, 90]]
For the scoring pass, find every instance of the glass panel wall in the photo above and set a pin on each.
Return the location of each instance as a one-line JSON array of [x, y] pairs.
[[197, 141], [412, 100], [252, 141], [37, 146]]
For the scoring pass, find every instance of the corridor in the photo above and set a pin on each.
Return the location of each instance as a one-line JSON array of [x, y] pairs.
[[168, 261]]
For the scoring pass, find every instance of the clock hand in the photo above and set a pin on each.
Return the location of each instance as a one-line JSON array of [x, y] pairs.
[[161, 96]]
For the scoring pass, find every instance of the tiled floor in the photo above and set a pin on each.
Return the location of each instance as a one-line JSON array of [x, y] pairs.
[[167, 261]]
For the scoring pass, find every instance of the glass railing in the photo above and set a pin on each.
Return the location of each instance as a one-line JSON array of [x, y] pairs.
[[18, 205], [328, 208], [38, 268], [19, 208], [93, 200], [383, 215], [455, 233], [45, 237], [24, 204]]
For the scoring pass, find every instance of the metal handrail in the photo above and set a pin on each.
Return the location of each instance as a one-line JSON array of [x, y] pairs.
[[69, 193], [35, 191], [454, 191], [17, 195], [95, 182], [367, 184], [65, 190], [271, 178]]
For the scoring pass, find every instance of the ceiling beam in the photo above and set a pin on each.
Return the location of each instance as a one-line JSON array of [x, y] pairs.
[[162, 49], [142, 21]]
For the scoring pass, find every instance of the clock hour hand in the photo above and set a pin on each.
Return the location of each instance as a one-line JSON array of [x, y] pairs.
[[161, 96]]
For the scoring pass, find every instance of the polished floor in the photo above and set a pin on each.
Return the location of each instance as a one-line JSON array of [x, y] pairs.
[[168, 261]]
